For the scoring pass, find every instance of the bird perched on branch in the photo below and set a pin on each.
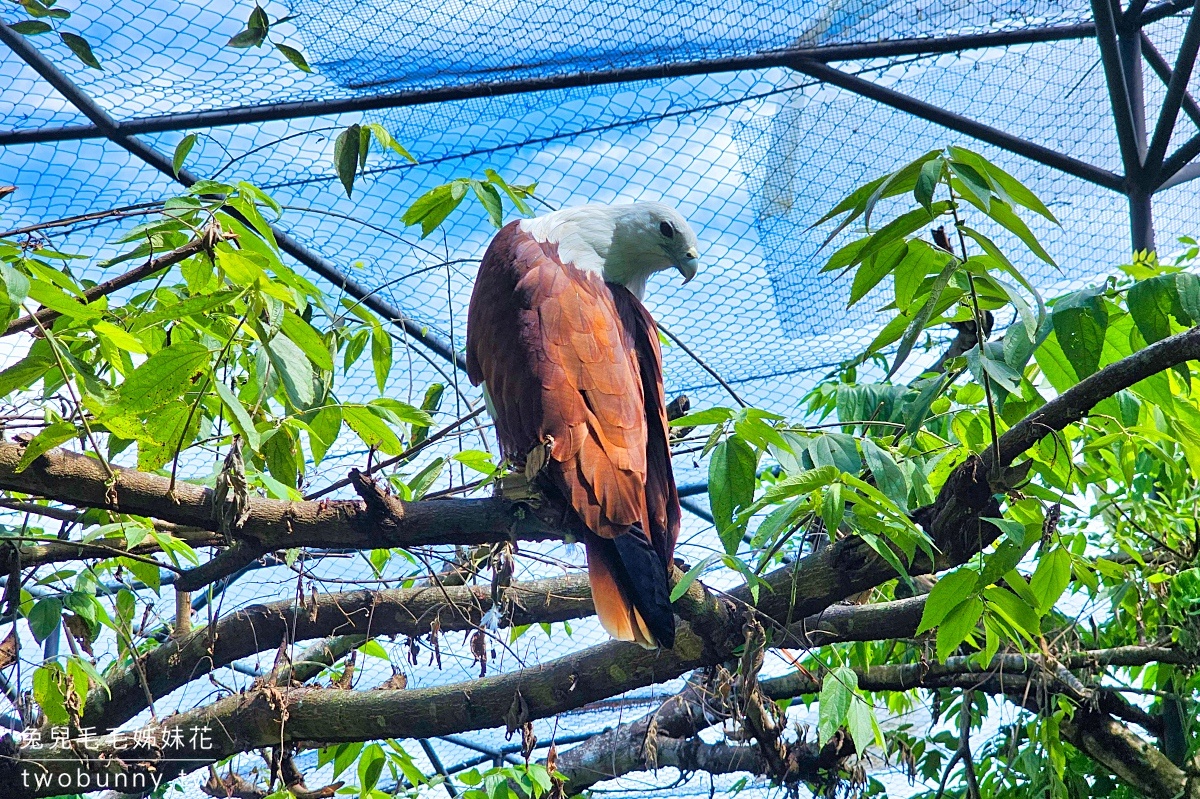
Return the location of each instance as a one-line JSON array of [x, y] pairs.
[[570, 365]]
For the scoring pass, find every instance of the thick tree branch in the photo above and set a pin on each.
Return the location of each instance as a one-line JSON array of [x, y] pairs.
[[259, 628], [266, 716], [689, 755], [272, 524], [1134, 760]]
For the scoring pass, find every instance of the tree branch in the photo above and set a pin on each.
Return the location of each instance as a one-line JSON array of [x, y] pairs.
[[272, 524], [1134, 760]]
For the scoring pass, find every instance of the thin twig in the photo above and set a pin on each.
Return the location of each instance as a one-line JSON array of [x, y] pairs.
[[128, 210], [679, 343], [47, 316], [408, 453]]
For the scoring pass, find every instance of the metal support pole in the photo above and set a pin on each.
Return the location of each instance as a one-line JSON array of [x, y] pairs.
[[1118, 88], [1120, 53], [1176, 88], [319, 264], [437, 765], [1006, 141], [1141, 220]]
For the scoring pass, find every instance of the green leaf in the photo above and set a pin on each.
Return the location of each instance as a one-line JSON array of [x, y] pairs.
[[54, 298], [705, 417], [1001, 259], [490, 199], [293, 55], [345, 156], [693, 573], [373, 430], [516, 196], [431, 209], [476, 459], [44, 617], [860, 722], [833, 508], [43, 442], [1001, 181], [1187, 286], [381, 356], [246, 38], [888, 476], [875, 269], [731, 480], [431, 403], [324, 428], [81, 49], [837, 692], [1002, 213], [374, 649], [803, 483], [914, 329], [972, 183], [48, 693], [1012, 529], [950, 591], [958, 624], [423, 480], [1080, 321], [402, 411], [163, 377], [1150, 303], [306, 337], [1014, 610], [30, 27], [181, 152], [370, 766], [168, 430], [121, 339], [920, 260], [14, 288], [293, 368], [387, 142], [1050, 578], [240, 419], [927, 181]]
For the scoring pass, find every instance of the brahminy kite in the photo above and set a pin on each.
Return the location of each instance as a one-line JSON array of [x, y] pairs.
[[570, 365]]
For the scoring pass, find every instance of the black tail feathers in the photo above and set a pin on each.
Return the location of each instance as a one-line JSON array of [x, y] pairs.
[[643, 576]]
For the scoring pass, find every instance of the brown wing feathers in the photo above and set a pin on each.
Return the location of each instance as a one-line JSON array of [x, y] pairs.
[[564, 355]]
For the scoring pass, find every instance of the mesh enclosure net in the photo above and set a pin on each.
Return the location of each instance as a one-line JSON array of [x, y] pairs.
[[752, 155]]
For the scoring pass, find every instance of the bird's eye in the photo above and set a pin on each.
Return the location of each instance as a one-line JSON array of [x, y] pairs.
[[666, 229]]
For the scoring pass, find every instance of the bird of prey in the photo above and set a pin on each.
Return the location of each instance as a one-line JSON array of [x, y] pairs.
[[571, 370]]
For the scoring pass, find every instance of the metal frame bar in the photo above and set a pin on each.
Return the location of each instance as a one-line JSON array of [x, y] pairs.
[[957, 122], [1162, 11], [1176, 89], [317, 263], [281, 111], [1178, 160], [1183, 175], [1163, 70], [1132, 18]]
